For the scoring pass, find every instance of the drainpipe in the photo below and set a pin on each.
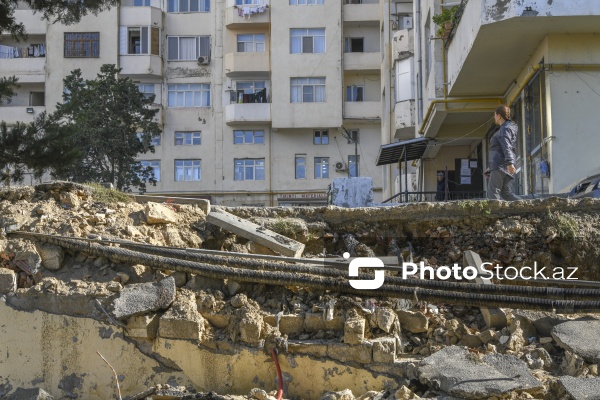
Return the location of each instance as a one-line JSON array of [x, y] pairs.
[[271, 114], [419, 61], [390, 74], [444, 63]]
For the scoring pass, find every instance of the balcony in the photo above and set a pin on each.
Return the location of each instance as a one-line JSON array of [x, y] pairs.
[[34, 24], [361, 13], [141, 66], [141, 16], [363, 62], [259, 113], [28, 70], [522, 27], [362, 110], [237, 64], [255, 16], [405, 120], [19, 113], [404, 43]]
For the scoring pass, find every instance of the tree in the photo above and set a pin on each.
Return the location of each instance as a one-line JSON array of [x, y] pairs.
[[113, 123], [38, 147]]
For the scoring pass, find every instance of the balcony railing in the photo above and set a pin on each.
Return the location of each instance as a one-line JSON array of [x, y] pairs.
[[141, 65], [358, 61], [242, 63], [28, 70], [362, 12], [247, 113], [418, 197], [362, 110], [12, 114]]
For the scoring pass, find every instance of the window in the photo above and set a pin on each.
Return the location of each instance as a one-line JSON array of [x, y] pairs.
[[181, 6], [187, 170], [248, 2], [82, 45], [353, 166], [321, 167], [182, 48], [354, 45], [139, 40], [321, 137], [154, 140], [307, 41], [305, 2], [248, 137], [147, 89], [353, 136], [189, 95], [249, 92], [251, 43], [355, 93], [141, 3], [300, 166], [307, 90], [188, 138], [155, 165], [249, 169]]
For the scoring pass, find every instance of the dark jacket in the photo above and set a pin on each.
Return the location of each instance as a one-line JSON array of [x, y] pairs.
[[503, 146]]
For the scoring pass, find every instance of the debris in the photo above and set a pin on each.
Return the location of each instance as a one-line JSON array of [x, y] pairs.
[[159, 214], [580, 337], [142, 298]]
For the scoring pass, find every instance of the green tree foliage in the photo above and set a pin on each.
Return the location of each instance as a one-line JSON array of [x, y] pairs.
[[38, 147], [7, 88], [113, 124]]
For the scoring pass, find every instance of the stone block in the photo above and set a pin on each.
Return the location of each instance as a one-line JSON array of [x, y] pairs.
[[288, 324], [143, 298], [143, 326], [159, 214], [316, 349], [413, 321], [384, 350], [8, 281], [182, 320], [385, 317], [250, 329], [362, 354], [354, 331], [217, 320], [52, 256], [180, 278], [314, 322]]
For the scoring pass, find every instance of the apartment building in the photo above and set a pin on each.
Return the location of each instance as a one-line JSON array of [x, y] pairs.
[[260, 100], [540, 57]]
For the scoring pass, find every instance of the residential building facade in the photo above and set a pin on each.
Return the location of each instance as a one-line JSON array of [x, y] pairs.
[[260, 101]]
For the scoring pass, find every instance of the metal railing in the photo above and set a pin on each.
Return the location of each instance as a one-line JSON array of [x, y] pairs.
[[417, 197]]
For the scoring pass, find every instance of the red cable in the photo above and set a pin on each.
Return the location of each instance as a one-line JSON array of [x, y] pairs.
[[279, 375]]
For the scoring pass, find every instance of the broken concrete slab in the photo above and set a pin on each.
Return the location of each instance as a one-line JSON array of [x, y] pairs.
[[458, 372], [256, 233], [159, 214], [579, 337], [143, 298], [52, 256], [29, 261], [143, 326], [384, 350], [581, 388], [543, 321], [494, 317], [203, 204], [352, 192], [8, 281], [182, 320], [30, 394]]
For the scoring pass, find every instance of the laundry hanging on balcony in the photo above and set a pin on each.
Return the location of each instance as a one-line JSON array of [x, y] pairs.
[[35, 50], [247, 11]]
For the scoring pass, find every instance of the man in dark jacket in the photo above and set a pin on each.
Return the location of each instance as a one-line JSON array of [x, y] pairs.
[[502, 157]]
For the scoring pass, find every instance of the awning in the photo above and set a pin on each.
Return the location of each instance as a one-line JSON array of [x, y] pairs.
[[395, 152]]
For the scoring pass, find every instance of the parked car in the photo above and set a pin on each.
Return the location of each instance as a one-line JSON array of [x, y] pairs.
[[588, 187]]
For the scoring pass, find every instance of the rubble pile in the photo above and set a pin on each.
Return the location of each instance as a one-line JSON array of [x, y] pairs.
[[406, 349]]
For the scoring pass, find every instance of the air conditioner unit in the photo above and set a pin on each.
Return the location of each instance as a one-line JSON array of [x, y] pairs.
[[340, 167], [203, 60]]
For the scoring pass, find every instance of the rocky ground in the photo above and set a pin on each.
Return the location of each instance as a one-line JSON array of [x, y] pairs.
[[429, 350]]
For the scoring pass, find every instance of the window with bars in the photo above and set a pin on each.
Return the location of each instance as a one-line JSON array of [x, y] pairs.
[[248, 137], [187, 48], [307, 41], [188, 170], [82, 45], [155, 165], [321, 167], [249, 43], [249, 169], [321, 137], [183, 6], [189, 95], [188, 138], [307, 90]]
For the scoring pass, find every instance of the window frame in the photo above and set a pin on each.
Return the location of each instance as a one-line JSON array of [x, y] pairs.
[[199, 51], [177, 4], [320, 163], [248, 163], [353, 164], [298, 157], [319, 135], [302, 84], [354, 134], [184, 138], [195, 163], [202, 90], [254, 42], [94, 51], [354, 92], [149, 164], [244, 135], [304, 34], [348, 44]]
